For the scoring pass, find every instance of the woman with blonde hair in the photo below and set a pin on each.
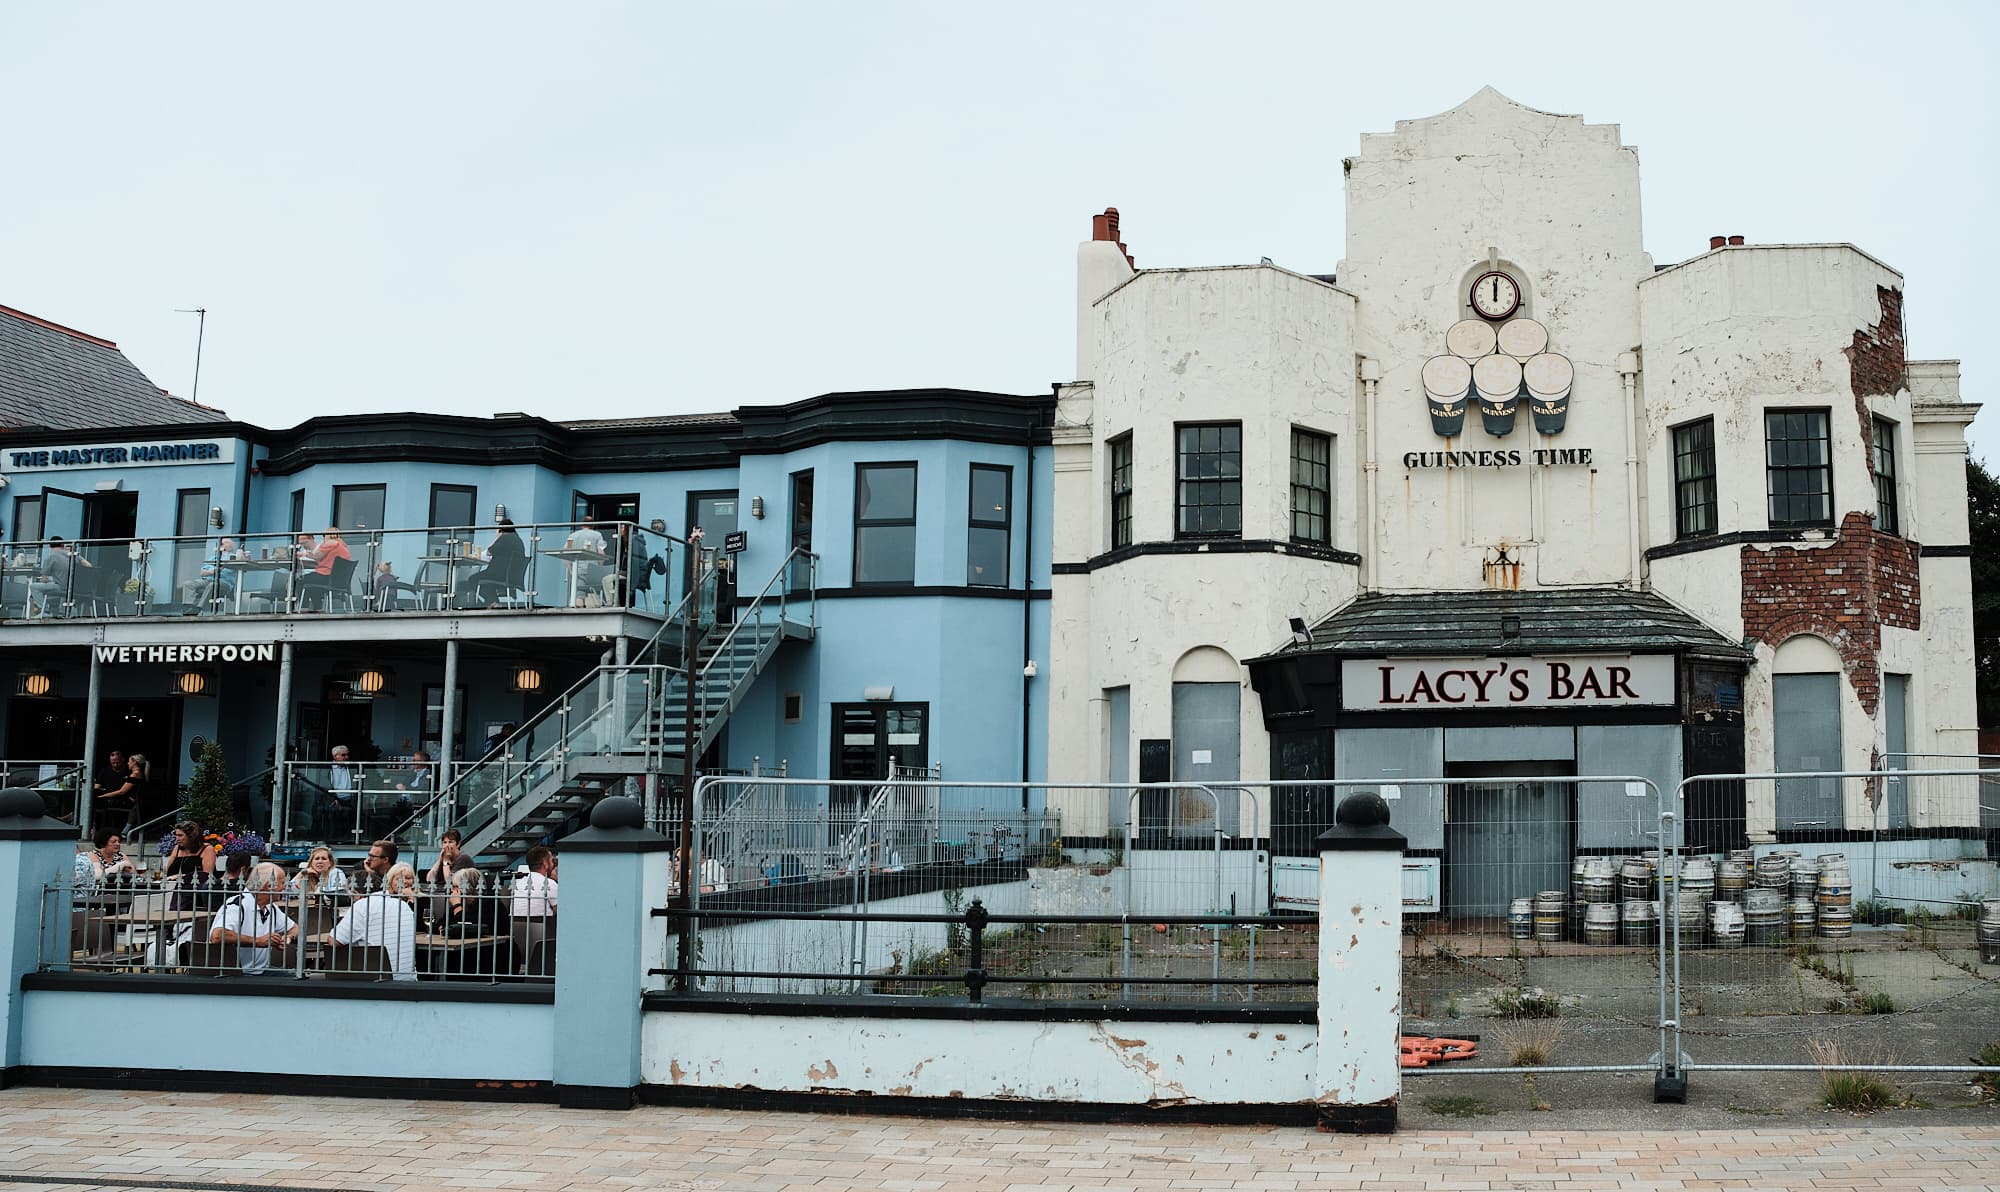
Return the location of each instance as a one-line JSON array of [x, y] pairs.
[[319, 875]]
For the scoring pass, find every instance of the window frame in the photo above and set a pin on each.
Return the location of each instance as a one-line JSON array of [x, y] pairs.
[[472, 507], [40, 506], [1182, 482], [1772, 471], [861, 468], [1882, 466], [340, 490], [1004, 523], [190, 534], [1324, 490], [1686, 485], [297, 516], [1118, 466]]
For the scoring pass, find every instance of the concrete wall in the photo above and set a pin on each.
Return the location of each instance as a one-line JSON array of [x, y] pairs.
[[1118, 1063]]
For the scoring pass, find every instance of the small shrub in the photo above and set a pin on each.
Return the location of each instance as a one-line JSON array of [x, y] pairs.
[[1531, 1046], [1852, 1092], [1878, 1002], [1526, 1003], [1988, 1057]]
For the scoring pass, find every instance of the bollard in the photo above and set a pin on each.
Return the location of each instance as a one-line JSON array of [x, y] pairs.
[[1359, 1077]]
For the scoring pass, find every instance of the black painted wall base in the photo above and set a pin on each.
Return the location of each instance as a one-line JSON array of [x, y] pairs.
[[587, 1096], [161, 1080], [1379, 1118], [989, 1109]]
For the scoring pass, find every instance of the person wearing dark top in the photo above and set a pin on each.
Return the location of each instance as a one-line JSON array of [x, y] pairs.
[[118, 806], [506, 566], [192, 862], [110, 777]]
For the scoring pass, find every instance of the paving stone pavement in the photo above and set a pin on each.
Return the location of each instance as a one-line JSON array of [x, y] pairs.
[[57, 1138]]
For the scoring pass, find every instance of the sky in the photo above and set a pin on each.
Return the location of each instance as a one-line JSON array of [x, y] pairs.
[[586, 209]]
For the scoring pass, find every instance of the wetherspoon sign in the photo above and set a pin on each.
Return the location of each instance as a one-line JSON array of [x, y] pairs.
[[246, 652], [1465, 684]]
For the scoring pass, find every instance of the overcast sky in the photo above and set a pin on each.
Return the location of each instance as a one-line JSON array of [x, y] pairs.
[[586, 209]]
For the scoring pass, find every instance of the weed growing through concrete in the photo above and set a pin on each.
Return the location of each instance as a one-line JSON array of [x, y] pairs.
[[1526, 1003], [1854, 1092], [1463, 1107], [1878, 1002], [1532, 1043], [1988, 1057]]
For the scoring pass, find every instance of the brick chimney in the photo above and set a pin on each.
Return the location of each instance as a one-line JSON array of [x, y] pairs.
[[1715, 242], [1105, 227], [1736, 242]]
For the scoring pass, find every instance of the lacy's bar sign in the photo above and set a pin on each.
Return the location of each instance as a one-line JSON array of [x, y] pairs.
[[1450, 684]]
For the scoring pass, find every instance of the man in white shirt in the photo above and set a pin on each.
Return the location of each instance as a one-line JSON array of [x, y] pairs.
[[253, 921], [383, 919], [534, 909], [589, 573]]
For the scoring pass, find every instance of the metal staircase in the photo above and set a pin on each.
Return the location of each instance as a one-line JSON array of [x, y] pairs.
[[620, 722]]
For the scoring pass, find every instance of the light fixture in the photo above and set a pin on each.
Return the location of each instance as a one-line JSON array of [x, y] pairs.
[[371, 681], [878, 693], [1510, 627], [757, 508], [525, 680], [109, 486], [194, 682], [215, 516], [499, 512], [658, 525], [37, 684], [1301, 636]]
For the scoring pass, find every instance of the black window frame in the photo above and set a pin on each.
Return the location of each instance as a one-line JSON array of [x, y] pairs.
[[1697, 506], [340, 490], [1888, 510], [799, 515], [1203, 486], [861, 524], [471, 492], [298, 514], [974, 524], [1324, 490], [21, 505], [1788, 480], [1118, 477], [191, 506]]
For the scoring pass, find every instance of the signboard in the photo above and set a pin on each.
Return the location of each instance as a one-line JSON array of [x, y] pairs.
[[135, 454], [1466, 684], [246, 652], [734, 542]]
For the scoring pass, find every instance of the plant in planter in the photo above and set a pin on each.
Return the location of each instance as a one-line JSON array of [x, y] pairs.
[[208, 802]]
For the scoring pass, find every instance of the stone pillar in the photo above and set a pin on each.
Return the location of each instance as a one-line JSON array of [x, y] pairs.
[[35, 850], [1360, 969], [613, 874]]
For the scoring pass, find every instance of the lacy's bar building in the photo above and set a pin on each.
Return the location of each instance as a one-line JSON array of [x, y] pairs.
[[1502, 496]]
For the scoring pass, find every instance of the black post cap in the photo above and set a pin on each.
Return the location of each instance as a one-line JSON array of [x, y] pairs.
[[617, 825], [23, 816], [1361, 824]]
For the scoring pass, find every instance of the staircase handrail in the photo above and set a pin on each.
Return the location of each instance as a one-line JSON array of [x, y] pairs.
[[752, 614]]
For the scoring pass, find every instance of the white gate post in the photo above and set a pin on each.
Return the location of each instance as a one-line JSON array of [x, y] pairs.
[[1359, 1076]]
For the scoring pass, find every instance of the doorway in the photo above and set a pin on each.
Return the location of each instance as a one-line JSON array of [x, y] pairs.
[[605, 507], [868, 738], [152, 729], [1509, 838], [715, 513], [324, 725]]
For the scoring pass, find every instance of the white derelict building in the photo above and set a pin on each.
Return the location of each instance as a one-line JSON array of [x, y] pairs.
[[1538, 504]]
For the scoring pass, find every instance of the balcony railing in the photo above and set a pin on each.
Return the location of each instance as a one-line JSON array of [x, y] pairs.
[[549, 565]]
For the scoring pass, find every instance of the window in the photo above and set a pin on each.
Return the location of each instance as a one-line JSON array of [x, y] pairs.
[[885, 523], [795, 707], [1312, 487], [1119, 453], [1209, 472], [190, 534], [358, 506], [452, 506], [298, 518], [1798, 467], [1694, 479], [802, 528], [988, 546], [27, 519], [1886, 519]]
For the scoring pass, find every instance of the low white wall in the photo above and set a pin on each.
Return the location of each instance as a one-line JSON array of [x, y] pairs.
[[293, 1038], [1933, 874], [1118, 1063]]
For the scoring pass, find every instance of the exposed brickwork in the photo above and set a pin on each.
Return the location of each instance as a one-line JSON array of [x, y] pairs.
[[1844, 593], [1878, 366]]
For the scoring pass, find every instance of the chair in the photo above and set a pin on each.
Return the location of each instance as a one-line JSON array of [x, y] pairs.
[[502, 588], [205, 959], [534, 942], [91, 936], [338, 584], [362, 962]]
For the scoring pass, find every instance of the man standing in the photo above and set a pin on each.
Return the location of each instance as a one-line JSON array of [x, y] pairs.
[[110, 776], [534, 909], [343, 782], [253, 921]]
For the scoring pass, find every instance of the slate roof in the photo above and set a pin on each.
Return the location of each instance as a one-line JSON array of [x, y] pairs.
[[1559, 621], [54, 378]]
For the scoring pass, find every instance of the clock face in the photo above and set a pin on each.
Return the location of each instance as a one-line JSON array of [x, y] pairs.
[[1495, 296]]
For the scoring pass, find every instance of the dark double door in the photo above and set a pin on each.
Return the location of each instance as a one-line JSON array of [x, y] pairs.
[[1508, 837]]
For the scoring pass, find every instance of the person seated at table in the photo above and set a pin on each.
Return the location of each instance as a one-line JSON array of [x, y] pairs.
[[713, 879], [506, 566], [384, 919], [533, 905], [385, 586], [319, 875], [191, 863], [451, 858], [254, 921], [50, 588], [105, 861], [469, 908], [215, 583], [589, 573], [416, 784], [300, 554], [332, 549]]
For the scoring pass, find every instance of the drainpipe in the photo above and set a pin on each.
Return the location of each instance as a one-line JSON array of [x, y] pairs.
[[1027, 611], [1371, 377], [1628, 373]]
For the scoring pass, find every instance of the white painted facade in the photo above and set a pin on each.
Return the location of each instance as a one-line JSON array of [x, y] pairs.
[[1552, 202]]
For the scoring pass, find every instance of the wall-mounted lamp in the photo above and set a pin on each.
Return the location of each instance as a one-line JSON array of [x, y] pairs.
[[1510, 627], [1301, 635], [499, 512], [757, 508], [878, 693], [525, 680], [194, 682], [658, 525], [37, 684], [215, 516], [371, 681], [109, 486]]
